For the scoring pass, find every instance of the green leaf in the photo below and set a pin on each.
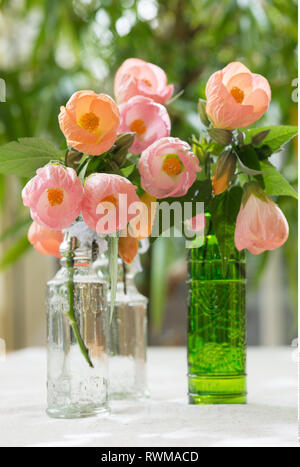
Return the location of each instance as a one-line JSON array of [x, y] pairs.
[[15, 252], [248, 157], [25, 156], [213, 148], [126, 171], [135, 179], [90, 165], [224, 209], [248, 160], [276, 138], [263, 152], [200, 191], [275, 183]]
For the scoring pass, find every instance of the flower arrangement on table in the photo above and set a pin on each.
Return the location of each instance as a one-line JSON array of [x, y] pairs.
[[126, 149]]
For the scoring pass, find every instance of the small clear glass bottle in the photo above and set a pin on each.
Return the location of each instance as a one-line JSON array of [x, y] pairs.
[[76, 388], [127, 336]]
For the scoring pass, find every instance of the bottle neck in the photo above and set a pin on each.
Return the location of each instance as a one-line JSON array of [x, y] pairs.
[[73, 254], [125, 279]]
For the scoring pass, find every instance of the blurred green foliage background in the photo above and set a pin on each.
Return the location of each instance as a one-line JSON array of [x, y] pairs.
[[51, 48]]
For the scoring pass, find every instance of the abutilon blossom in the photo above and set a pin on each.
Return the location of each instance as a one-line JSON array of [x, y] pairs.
[[136, 77], [168, 168], [236, 97], [54, 196], [260, 224], [90, 122]]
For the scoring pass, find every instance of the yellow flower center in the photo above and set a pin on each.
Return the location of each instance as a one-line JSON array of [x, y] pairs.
[[138, 126], [238, 94], [89, 121], [172, 165], [110, 199], [146, 81], [55, 196]]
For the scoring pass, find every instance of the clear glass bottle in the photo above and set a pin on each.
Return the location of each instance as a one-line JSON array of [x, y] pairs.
[[77, 324], [127, 335]]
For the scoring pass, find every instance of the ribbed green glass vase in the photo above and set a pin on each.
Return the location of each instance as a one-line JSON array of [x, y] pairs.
[[216, 325]]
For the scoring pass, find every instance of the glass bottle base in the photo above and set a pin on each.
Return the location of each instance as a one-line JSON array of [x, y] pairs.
[[77, 411], [207, 389]]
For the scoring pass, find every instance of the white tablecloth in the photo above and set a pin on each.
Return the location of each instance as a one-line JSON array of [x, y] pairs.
[[269, 419]]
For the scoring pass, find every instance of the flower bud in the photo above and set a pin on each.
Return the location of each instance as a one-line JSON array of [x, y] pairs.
[[120, 156], [128, 247], [202, 112], [125, 140], [223, 172], [220, 136], [120, 150], [260, 224], [259, 137], [74, 157]]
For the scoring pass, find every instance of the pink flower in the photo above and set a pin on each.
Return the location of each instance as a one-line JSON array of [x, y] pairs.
[[136, 77], [44, 240], [168, 168], [149, 120], [260, 224], [54, 196], [236, 97], [106, 202]]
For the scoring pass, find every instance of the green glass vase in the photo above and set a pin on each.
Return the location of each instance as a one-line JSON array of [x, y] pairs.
[[216, 324]]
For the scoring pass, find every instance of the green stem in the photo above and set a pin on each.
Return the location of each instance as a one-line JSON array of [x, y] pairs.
[[66, 157], [113, 266], [71, 314], [82, 164]]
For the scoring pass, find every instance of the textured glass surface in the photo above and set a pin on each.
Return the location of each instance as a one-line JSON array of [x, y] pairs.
[[127, 338], [75, 389], [216, 325]]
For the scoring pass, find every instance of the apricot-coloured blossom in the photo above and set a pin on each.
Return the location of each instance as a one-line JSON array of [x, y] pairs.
[[128, 246], [90, 122], [45, 241]]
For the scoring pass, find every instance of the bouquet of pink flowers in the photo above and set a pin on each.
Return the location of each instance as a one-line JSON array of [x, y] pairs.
[[120, 159]]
